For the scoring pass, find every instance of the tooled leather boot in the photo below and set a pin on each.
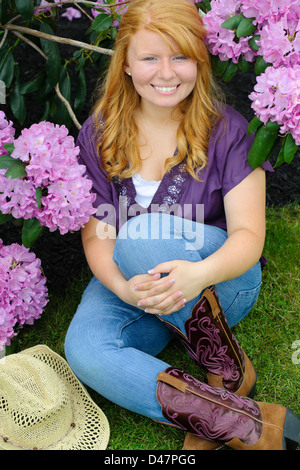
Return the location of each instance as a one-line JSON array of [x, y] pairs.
[[213, 413], [211, 344]]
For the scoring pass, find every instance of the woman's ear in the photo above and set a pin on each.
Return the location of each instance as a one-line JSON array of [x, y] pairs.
[[127, 70]]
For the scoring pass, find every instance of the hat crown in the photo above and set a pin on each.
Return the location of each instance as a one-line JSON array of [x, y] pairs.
[[44, 406], [35, 407]]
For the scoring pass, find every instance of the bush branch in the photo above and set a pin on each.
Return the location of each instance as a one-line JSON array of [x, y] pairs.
[[59, 39]]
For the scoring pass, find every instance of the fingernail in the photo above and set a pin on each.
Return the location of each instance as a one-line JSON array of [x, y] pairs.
[[151, 271], [139, 304]]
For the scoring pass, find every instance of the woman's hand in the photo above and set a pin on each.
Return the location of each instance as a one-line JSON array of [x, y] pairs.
[[165, 295]]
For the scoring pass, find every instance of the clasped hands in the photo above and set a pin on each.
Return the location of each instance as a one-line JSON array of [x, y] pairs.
[[163, 295]]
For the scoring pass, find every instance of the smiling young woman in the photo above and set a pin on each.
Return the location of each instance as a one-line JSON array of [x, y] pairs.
[[158, 147], [161, 74]]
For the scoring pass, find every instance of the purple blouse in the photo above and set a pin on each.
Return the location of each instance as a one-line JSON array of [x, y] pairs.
[[178, 191]]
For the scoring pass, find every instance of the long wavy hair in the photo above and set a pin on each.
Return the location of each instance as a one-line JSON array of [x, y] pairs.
[[117, 131]]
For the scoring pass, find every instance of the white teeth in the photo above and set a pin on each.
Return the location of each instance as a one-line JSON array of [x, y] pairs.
[[165, 89]]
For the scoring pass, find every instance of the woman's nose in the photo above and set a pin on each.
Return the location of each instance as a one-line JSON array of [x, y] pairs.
[[166, 70]]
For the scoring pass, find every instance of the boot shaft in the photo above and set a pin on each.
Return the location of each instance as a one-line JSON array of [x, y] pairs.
[[208, 412]]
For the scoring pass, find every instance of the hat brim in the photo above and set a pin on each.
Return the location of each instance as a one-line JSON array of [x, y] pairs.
[[91, 427]]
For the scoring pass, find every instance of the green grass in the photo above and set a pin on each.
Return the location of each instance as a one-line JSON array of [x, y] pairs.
[[266, 334]]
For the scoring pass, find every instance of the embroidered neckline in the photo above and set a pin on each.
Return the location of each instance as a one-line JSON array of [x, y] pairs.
[[168, 192]]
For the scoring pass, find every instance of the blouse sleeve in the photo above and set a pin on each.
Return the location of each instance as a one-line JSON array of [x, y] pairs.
[[235, 147], [89, 157]]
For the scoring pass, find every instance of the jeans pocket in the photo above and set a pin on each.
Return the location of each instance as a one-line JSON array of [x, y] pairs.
[[242, 305]]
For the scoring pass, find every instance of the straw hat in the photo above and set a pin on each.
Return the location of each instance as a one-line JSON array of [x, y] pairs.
[[43, 406]]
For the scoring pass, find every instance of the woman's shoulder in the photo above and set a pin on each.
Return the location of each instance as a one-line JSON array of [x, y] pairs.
[[88, 129]]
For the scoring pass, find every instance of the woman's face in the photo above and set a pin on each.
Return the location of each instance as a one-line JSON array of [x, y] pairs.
[[163, 77]]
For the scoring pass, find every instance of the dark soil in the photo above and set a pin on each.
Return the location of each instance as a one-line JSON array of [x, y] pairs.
[[62, 256]]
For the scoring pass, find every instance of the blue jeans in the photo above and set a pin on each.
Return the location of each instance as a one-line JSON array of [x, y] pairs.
[[112, 346]]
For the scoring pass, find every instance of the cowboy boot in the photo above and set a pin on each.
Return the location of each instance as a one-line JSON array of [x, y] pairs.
[[213, 413], [211, 344]]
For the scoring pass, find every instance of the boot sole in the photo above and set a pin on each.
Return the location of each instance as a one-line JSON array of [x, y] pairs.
[[291, 431]]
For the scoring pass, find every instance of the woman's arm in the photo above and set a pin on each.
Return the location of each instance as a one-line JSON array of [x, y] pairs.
[[99, 254], [245, 215]]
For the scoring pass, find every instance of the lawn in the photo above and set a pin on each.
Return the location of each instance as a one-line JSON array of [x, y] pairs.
[[268, 335]]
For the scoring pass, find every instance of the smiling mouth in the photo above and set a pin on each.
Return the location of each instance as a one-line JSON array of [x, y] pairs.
[[165, 89]]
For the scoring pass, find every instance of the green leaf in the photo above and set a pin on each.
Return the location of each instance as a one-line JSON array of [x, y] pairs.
[[9, 147], [253, 42], [244, 65], [233, 22], [272, 126], [31, 231], [260, 65], [101, 22], [5, 218], [4, 11], [254, 124], [38, 195], [25, 8], [6, 161], [204, 5], [280, 158], [7, 66], [218, 65], [230, 71], [46, 113], [16, 170], [80, 97], [246, 28], [17, 103], [61, 114], [290, 148], [264, 143], [33, 85], [53, 68], [48, 46]]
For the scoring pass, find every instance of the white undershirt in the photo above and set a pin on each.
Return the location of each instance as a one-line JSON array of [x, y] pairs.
[[145, 190]]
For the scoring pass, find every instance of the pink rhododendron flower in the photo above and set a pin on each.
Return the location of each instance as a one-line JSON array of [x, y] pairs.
[[51, 164], [7, 132], [46, 6], [71, 13], [17, 197], [276, 97], [280, 40], [264, 11], [23, 291], [221, 41], [117, 9]]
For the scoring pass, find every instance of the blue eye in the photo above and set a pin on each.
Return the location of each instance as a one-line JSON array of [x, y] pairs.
[[180, 58]]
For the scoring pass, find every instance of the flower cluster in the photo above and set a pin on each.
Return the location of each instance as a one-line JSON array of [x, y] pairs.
[[53, 172], [276, 95], [23, 291], [222, 41], [7, 132]]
